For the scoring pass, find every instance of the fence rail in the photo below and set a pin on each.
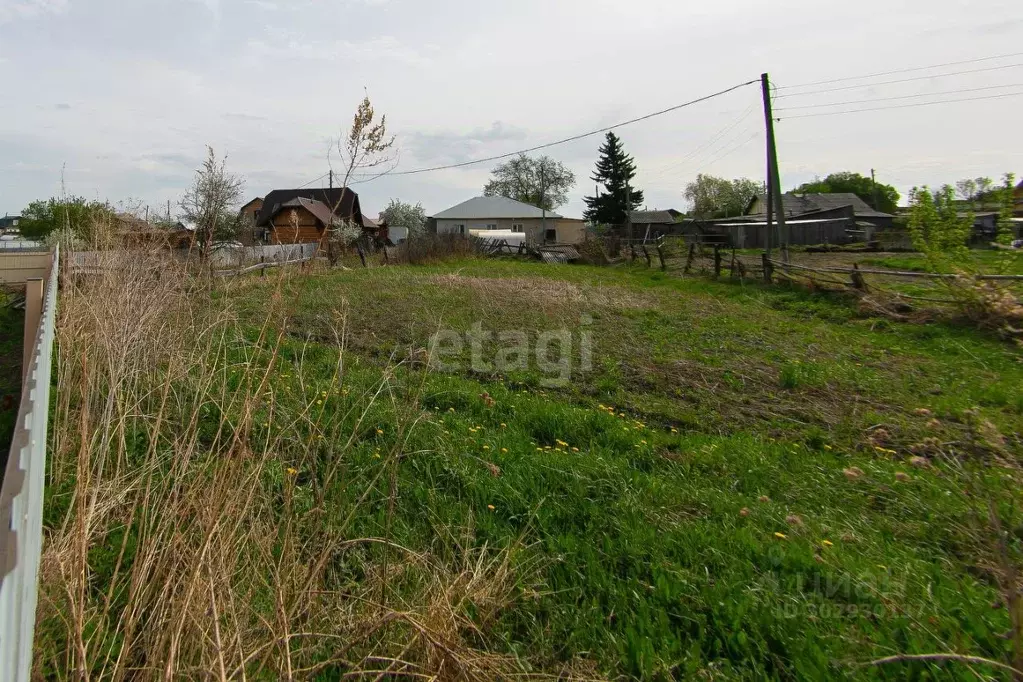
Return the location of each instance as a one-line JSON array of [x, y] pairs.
[[21, 495]]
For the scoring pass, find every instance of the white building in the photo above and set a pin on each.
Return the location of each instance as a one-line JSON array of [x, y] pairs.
[[500, 213]]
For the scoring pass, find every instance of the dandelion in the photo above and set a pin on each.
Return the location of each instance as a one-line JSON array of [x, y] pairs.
[[292, 471], [491, 507], [486, 447], [451, 409], [319, 402], [674, 430], [547, 447], [827, 543], [781, 536], [539, 449], [376, 455], [380, 432], [621, 414], [575, 449], [504, 449], [827, 447], [503, 425]]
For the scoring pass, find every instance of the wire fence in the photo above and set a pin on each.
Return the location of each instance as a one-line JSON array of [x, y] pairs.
[[21, 495]]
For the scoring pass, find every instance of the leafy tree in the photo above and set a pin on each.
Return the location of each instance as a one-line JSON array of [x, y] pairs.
[[713, 197], [937, 230], [615, 170], [209, 204], [880, 197], [542, 182], [1006, 204], [401, 214], [75, 215]]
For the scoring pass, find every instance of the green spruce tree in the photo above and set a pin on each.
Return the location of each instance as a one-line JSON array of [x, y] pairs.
[[615, 170]]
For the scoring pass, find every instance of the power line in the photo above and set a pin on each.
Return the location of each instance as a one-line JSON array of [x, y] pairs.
[[564, 140], [901, 80], [905, 106], [890, 73], [313, 180], [732, 150], [707, 144], [887, 99]]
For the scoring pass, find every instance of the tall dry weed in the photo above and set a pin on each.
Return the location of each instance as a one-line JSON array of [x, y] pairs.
[[179, 544]]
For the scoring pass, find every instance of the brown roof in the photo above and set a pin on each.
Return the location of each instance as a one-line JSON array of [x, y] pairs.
[[796, 203], [369, 222], [319, 209], [346, 201]]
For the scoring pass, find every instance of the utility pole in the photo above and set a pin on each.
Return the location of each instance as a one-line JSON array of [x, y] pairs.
[[331, 174], [543, 209], [628, 209], [168, 210], [873, 188], [773, 176]]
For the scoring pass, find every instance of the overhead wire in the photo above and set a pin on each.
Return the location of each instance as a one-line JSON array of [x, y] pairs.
[[897, 71], [887, 99], [900, 80], [573, 138], [902, 106]]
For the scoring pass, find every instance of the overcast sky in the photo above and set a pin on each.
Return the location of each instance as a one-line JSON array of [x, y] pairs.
[[125, 94]]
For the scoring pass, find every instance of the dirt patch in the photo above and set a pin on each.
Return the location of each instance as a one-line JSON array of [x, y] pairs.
[[542, 291]]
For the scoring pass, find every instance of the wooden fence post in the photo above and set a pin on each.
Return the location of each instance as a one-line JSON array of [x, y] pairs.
[[362, 256], [646, 254], [660, 255], [689, 259], [33, 312], [717, 261], [768, 268], [857, 278], [632, 250]]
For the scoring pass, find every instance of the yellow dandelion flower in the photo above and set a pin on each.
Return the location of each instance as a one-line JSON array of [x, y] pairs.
[[674, 430], [642, 442], [575, 449], [319, 402], [376, 455], [491, 507], [380, 432], [621, 414], [451, 409], [504, 449], [781, 536], [486, 447], [827, 543], [827, 447], [292, 471], [547, 447], [539, 449]]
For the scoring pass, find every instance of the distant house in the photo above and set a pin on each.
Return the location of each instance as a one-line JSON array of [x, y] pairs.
[[501, 213], [805, 206], [251, 209], [9, 222], [302, 216], [651, 224]]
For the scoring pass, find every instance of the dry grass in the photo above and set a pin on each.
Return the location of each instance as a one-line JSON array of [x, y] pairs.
[[181, 544]]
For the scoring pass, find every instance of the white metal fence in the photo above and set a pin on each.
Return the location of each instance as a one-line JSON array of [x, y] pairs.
[[21, 496], [240, 256]]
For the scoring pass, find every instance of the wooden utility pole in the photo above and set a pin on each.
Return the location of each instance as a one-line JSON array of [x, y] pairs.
[[773, 176], [330, 173], [873, 189], [543, 209], [628, 209]]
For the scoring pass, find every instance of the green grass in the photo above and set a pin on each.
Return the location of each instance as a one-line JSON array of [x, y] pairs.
[[657, 493]]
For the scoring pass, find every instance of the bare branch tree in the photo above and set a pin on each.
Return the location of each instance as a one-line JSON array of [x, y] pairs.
[[208, 204], [366, 145]]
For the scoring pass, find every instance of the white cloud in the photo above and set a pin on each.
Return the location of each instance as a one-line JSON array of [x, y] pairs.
[[13, 10]]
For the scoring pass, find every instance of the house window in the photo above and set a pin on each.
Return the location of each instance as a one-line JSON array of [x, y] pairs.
[[517, 227], [551, 235], [458, 229], [491, 226]]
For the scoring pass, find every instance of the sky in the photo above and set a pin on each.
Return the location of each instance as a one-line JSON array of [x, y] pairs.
[[117, 100]]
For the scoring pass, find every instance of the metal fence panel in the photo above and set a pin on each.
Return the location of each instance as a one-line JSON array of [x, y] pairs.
[[21, 501]]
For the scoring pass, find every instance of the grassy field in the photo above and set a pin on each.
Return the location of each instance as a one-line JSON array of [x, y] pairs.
[[697, 479]]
